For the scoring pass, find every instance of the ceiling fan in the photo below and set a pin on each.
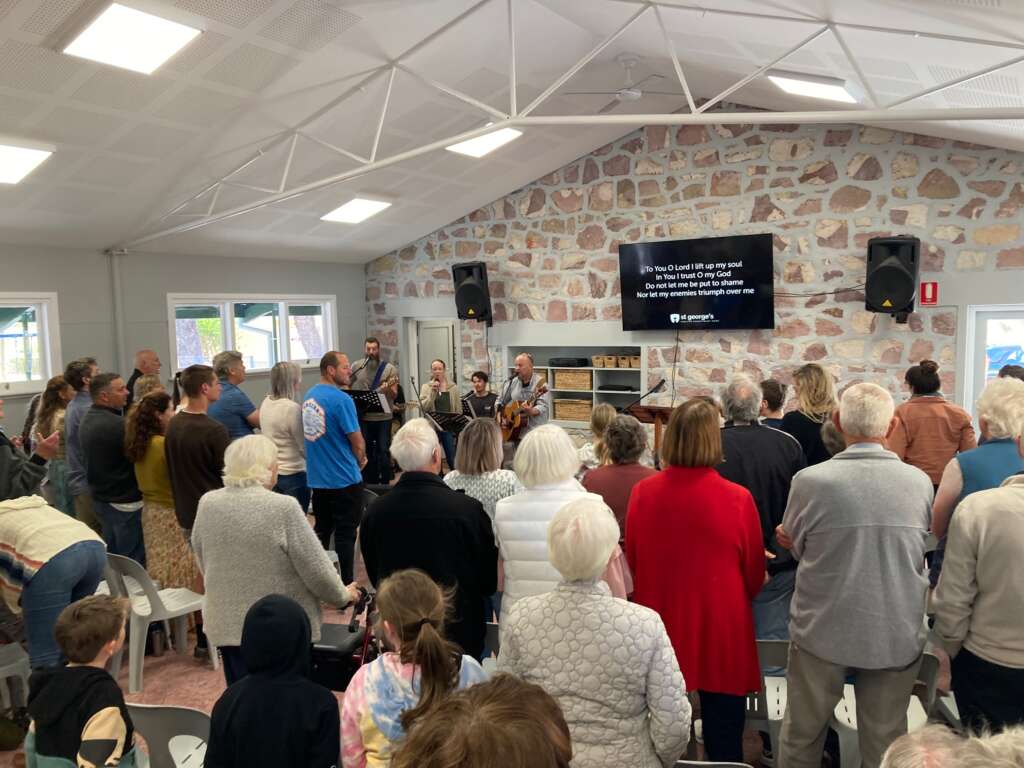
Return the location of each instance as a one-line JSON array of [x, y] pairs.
[[630, 91]]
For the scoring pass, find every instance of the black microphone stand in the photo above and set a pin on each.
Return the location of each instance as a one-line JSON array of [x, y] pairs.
[[656, 388]]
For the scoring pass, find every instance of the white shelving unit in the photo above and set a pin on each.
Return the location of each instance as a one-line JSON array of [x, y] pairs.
[[600, 377]]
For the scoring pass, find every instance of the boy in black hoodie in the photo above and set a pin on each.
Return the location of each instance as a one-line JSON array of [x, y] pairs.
[[275, 717], [78, 712]]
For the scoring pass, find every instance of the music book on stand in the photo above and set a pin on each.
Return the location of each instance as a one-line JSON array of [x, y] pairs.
[[450, 422]]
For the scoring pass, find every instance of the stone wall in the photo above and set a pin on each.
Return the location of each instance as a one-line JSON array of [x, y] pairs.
[[822, 191]]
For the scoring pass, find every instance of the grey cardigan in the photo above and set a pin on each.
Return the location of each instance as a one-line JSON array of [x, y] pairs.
[[859, 524], [250, 543]]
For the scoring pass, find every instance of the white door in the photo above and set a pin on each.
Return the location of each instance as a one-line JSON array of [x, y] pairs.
[[998, 340], [435, 341]]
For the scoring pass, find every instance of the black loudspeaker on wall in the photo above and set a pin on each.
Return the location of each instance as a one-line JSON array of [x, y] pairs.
[[472, 296], [893, 265]]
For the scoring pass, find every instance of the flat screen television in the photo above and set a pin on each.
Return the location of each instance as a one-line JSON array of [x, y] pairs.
[[711, 282]]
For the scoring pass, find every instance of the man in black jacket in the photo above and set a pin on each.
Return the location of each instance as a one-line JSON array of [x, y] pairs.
[[115, 493], [763, 460], [422, 523]]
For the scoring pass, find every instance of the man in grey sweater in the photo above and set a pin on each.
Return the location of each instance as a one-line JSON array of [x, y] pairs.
[[858, 526]]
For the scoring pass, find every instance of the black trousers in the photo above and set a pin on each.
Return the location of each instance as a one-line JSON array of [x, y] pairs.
[[723, 716], [377, 435], [987, 695], [338, 512]]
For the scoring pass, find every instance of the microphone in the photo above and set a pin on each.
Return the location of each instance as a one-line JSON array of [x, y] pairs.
[[660, 386], [656, 388]]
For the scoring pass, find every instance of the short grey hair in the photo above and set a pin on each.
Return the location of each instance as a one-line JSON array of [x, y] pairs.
[[741, 399], [865, 410], [546, 456], [480, 449], [581, 538], [224, 361], [414, 445], [250, 461], [1001, 405], [625, 439], [285, 379]]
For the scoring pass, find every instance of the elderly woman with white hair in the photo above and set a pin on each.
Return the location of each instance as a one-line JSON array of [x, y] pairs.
[[281, 421], [422, 523], [981, 468], [609, 663], [251, 542], [545, 464]]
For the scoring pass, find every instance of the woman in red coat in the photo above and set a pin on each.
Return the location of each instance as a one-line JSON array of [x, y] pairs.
[[694, 544]]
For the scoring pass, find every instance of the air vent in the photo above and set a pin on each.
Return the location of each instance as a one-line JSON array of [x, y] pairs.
[[50, 15], [309, 25], [251, 68], [234, 13]]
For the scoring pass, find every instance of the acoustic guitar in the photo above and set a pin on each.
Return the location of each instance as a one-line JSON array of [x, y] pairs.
[[513, 417]]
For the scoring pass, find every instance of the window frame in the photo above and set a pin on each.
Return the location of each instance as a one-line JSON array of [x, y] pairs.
[[225, 302], [49, 324], [975, 357]]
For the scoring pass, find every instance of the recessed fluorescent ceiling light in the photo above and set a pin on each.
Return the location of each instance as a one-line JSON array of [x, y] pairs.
[[18, 162], [489, 142], [814, 86], [125, 37], [355, 211]]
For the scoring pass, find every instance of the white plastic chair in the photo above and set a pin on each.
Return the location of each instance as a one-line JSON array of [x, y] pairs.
[[176, 736], [14, 665], [702, 764], [766, 708], [173, 604], [844, 717]]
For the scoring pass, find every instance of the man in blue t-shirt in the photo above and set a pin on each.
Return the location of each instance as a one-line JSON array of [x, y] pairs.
[[335, 456], [234, 409]]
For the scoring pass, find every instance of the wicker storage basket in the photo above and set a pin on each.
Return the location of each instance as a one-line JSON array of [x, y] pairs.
[[573, 410], [623, 361], [569, 378], [611, 361], [634, 361], [597, 361]]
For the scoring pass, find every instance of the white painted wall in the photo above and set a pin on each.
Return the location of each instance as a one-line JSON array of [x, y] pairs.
[[86, 283]]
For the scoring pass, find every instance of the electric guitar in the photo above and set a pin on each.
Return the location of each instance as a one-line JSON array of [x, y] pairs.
[[513, 417]]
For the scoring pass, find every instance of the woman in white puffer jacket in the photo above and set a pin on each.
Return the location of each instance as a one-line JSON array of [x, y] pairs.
[[546, 465]]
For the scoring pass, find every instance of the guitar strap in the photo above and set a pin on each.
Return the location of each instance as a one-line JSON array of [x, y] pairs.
[[377, 377]]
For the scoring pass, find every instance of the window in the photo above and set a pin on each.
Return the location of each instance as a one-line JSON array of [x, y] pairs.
[[29, 342], [265, 329], [995, 338]]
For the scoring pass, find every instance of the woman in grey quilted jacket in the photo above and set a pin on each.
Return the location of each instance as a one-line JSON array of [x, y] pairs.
[[609, 663]]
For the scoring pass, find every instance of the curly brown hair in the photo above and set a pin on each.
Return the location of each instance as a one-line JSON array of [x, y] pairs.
[[142, 423], [50, 404]]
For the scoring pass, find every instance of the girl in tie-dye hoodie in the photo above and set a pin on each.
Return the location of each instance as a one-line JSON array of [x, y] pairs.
[[386, 696]]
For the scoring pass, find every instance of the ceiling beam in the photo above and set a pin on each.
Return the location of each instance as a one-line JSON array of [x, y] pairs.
[[675, 60], [954, 83]]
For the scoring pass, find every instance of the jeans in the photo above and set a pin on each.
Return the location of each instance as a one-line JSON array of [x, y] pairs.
[[294, 485], [771, 611], [377, 435], [338, 512], [987, 695], [723, 716], [122, 531], [448, 444], [70, 575]]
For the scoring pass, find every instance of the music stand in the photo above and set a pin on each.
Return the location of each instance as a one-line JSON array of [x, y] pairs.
[[652, 414], [450, 422], [369, 401]]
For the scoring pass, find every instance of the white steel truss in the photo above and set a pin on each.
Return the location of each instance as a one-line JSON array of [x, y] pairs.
[[697, 114]]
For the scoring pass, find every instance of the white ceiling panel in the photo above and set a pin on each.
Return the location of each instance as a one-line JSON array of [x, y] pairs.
[[234, 13], [121, 89], [251, 68], [309, 25], [112, 172], [72, 125], [199, 106], [152, 140], [197, 52], [31, 68]]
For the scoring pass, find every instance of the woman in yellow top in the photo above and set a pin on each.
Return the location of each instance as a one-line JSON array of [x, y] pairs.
[[168, 557], [442, 396]]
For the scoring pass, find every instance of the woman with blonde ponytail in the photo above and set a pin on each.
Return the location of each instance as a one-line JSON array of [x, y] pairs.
[[418, 671]]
